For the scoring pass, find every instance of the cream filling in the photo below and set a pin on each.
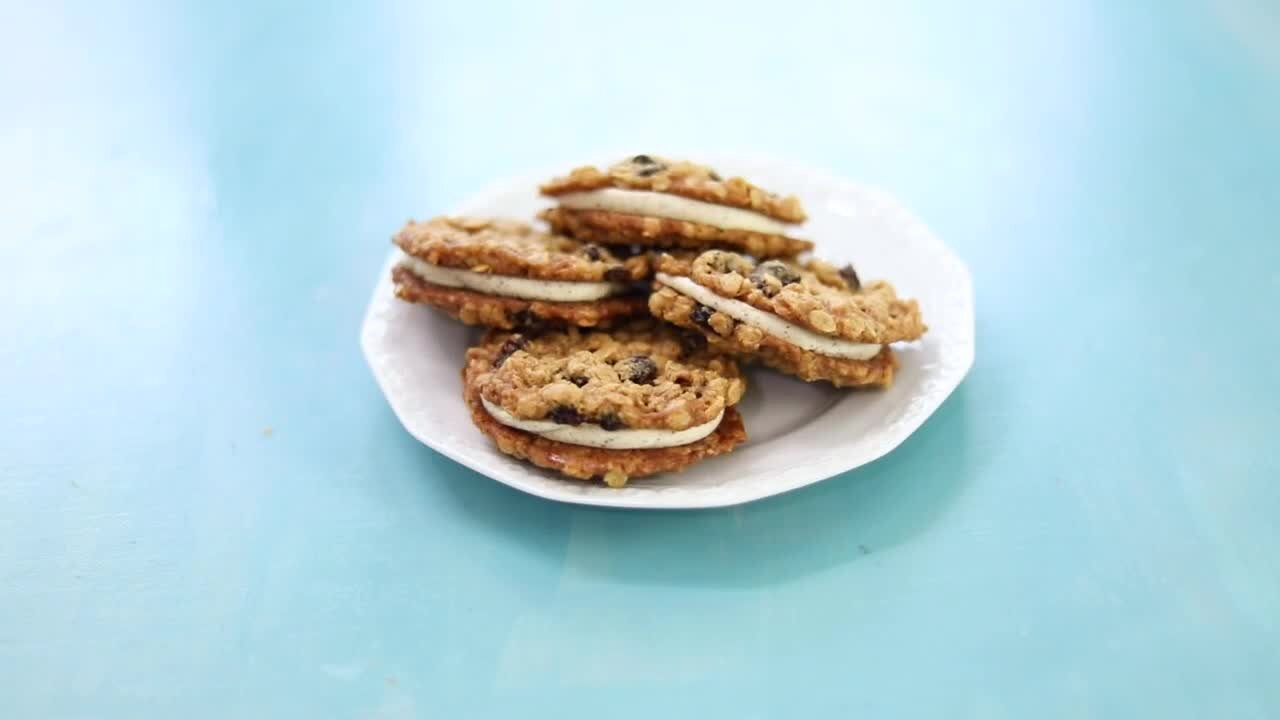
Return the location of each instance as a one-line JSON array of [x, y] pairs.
[[592, 435], [769, 323], [665, 205], [507, 286]]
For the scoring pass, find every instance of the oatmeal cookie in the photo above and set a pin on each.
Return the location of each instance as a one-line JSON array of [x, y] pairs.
[[678, 177], [750, 343], [814, 295], [810, 320], [505, 247], [640, 375], [609, 405], [607, 227], [613, 467], [505, 274], [474, 308], [658, 202]]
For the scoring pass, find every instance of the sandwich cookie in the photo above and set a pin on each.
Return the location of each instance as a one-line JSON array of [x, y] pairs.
[[505, 274], [604, 405], [657, 202], [813, 321]]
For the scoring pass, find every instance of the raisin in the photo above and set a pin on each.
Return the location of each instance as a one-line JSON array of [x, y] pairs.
[[784, 272], [565, 415], [529, 322], [578, 380], [850, 277], [513, 343], [701, 315], [640, 370], [626, 251], [647, 166], [611, 422], [692, 342], [593, 252], [617, 274], [713, 175]]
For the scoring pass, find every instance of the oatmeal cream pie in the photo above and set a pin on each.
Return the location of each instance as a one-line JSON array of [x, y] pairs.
[[653, 201], [505, 274], [605, 405], [809, 320]]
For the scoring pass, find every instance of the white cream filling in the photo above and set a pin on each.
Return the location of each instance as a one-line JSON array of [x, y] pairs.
[[507, 286], [665, 205], [592, 435], [768, 322]]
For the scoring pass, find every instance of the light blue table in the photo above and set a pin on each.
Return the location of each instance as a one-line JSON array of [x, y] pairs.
[[207, 510]]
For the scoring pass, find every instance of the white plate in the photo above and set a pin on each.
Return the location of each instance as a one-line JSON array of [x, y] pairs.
[[799, 433]]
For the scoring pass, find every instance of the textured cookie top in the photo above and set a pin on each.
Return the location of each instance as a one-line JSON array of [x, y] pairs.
[[678, 177], [814, 295], [643, 376], [504, 247]]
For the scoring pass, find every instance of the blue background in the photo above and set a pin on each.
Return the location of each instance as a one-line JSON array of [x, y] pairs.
[[208, 510]]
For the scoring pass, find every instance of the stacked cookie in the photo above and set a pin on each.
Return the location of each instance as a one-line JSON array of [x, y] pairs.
[[614, 338]]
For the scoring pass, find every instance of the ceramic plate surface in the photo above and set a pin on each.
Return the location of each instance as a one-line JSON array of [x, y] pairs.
[[799, 433]]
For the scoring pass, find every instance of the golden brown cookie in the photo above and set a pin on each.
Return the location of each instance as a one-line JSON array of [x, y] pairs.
[[505, 274], [614, 228], [812, 320], [654, 201], [475, 308], [609, 405], [505, 247]]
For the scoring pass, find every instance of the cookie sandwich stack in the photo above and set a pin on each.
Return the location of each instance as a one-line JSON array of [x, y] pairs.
[[615, 337]]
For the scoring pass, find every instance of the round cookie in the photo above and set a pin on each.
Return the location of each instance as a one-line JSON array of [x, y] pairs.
[[654, 201], [505, 274], [810, 320], [608, 405]]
